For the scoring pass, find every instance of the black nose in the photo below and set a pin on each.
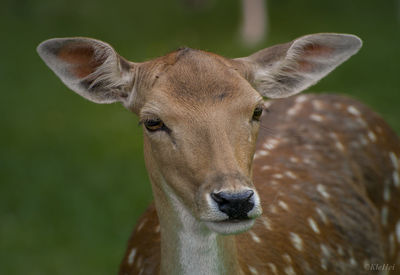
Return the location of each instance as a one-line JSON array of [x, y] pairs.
[[235, 205]]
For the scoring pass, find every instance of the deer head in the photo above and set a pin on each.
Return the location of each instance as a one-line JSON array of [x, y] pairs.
[[200, 113]]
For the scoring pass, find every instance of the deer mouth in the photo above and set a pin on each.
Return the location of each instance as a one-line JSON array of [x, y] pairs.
[[230, 226]]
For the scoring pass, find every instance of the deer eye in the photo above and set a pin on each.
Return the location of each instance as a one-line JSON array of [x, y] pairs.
[[153, 125], [257, 113]]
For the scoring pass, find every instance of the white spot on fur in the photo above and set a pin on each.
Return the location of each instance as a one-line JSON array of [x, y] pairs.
[[294, 159], [296, 241], [386, 192], [398, 231], [271, 144], [316, 117], [322, 215], [289, 270], [371, 136], [324, 264], [353, 261], [325, 250], [283, 205], [322, 190], [310, 147], [254, 237], [393, 158], [338, 105], [313, 225], [141, 224], [131, 257], [273, 182], [384, 215], [301, 99], [273, 268], [296, 186], [340, 250], [291, 175], [294, 110], [265, 167], [333, 135], [297, 106], [139, 262], [267, 223], [339, 146], [309, 161], [362, 122], [353, 110], [306, 267], [277, 176], [317, 104], [262, 153], [287, 258], [272, 209], [267, 104], [252, 270], [396, 180]]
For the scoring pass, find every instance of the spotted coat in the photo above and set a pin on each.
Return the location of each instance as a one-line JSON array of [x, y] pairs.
[[327, 172]]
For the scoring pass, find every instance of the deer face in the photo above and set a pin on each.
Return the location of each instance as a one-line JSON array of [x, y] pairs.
[[201, 119], [200, 112]]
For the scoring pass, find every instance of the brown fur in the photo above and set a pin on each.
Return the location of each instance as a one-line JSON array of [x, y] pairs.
[[353, 177]]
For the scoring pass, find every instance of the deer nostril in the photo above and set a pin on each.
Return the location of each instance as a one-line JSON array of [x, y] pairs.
[[235, 205], [217, 197]]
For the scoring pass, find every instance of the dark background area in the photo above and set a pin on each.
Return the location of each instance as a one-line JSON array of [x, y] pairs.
[[72, 176]]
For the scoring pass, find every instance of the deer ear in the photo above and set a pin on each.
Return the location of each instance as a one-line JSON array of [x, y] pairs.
[[287, 69], [89, 67]]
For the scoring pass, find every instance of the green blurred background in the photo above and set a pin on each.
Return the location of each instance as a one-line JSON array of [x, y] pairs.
[[72, 177]]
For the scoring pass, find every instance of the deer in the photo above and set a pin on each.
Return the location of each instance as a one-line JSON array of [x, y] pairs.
[[248, 176]]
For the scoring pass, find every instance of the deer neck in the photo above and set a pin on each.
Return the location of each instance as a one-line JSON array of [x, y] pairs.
[[187, 245]]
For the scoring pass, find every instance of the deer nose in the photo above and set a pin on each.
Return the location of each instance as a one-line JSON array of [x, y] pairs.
[[235, 205]]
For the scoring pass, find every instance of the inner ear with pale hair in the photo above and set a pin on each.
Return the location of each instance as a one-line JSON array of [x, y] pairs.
[[287, 69], [89, 67]]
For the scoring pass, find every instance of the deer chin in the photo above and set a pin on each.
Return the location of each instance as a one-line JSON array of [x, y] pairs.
[[229, 227]]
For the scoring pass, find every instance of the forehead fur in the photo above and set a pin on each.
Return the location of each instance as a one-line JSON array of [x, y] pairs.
[[194, 75]]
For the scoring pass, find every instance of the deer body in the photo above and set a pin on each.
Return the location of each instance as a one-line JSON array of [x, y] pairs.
[[321, 195]]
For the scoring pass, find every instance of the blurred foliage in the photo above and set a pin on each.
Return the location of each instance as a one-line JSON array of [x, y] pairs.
[[72, 177]]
